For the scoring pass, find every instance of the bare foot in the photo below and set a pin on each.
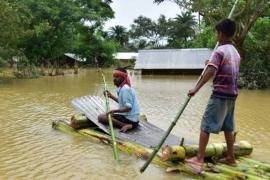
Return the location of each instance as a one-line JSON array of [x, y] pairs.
[[229, 162], [126, 127], [195, 164]]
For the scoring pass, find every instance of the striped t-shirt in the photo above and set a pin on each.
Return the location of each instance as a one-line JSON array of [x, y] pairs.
[[226, 60]]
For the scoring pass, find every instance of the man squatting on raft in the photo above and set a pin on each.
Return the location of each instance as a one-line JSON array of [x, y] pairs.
[[219, 114], [126, 117]]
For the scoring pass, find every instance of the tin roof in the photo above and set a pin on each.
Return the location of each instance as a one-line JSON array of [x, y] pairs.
[[146, 134], [76, 57], [172, 58]]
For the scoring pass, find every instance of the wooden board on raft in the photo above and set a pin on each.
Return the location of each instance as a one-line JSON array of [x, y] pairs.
[[145, 134]]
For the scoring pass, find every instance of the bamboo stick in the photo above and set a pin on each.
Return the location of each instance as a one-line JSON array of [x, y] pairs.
[[114, 145]]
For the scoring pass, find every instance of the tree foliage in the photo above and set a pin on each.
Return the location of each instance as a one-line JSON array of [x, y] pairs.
[[256, 66], [146, 31], [120, 35], [246, 13], [163, 33], [182, 28], [14, 21], [95, 45], [43, 30], [251, 39], [57, 23]]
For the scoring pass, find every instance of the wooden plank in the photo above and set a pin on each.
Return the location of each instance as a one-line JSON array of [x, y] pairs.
[[145, 134]]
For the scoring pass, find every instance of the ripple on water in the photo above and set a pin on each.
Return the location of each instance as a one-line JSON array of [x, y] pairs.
[[31, 149]]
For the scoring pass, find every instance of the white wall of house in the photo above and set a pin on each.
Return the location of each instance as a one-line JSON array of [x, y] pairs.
[[125, 56], [172, 58]]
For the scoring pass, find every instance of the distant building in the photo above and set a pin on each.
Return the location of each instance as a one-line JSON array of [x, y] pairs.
[[172, 61], [75, 57], [72, 60], [126, 58]]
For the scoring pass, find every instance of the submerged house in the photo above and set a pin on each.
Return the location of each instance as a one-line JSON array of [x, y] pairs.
[[126, 58], [172, 61], [72, 60]]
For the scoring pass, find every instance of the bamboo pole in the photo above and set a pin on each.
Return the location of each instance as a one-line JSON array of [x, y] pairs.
[[114, 145], [142, 169]]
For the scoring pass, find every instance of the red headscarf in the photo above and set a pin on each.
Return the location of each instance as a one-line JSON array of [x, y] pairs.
[[117, 73]]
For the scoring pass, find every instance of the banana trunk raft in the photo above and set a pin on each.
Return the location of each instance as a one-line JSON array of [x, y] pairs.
[[172, 155]]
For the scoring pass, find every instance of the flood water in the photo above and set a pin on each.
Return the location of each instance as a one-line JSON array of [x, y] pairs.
[[31, 149]]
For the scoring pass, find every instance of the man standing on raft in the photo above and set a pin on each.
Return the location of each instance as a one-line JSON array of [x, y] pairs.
[[219, 114], [126, 117]]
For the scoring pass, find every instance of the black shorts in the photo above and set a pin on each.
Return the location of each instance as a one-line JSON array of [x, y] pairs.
[[123, 119]]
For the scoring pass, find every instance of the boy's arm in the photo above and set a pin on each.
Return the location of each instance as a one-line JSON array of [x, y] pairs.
[[209, 72]]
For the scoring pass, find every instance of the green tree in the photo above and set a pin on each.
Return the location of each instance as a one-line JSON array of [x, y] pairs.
[[91, 45], [146, 30], [119, 34], [256, 66], [56, 24], [205, 39], [251, 39], [14, 21], [181, 30], [246, 14]]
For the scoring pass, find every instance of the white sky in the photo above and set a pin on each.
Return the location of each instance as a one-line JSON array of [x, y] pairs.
[[128, 10]]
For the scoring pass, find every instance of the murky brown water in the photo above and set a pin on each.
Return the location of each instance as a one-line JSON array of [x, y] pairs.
[[31, 149]]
